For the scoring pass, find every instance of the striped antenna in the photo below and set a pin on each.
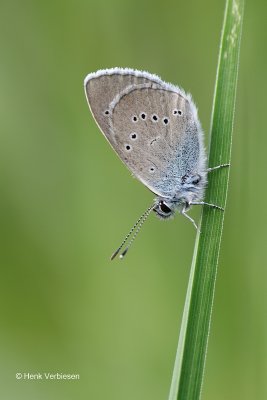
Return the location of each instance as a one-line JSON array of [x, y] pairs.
[[138, 224]]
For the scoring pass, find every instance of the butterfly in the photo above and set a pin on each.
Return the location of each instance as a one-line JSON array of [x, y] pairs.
[[154, 128]]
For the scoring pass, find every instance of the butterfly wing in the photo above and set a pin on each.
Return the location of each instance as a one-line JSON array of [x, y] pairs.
[[103, 86], [152, 126]]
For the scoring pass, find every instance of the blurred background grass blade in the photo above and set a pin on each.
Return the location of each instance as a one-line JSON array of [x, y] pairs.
[[66, 200], [193, 340]]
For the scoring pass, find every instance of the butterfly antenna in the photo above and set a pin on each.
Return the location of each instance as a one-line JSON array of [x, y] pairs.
[[138, 224]]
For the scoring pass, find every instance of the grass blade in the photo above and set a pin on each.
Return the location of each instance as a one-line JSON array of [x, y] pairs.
[[192, 346]]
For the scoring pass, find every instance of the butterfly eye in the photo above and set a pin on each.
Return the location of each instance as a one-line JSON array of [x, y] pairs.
[[164, 208]]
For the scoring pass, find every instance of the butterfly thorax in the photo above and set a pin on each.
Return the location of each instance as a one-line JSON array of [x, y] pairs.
[[190, 190]]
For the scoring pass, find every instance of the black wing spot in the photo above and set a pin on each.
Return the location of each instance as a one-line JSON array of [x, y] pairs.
[[155, 118], [152, 141], [165, 120], [106, 112], [143, 115], [134, 118], [177, 112], [133, 136], [128, 147]]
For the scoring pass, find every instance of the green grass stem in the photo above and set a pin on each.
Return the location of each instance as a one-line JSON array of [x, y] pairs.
[[193, 340]]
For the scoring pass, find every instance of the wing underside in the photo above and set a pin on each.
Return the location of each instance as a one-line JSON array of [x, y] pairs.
[[150, 124]]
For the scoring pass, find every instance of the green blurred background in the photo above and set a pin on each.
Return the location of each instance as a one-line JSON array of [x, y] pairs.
[[67, 201]]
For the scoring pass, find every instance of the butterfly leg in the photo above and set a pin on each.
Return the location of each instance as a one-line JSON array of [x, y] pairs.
[[183, 212], [218, 167], [208, 204], [202, 203]]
